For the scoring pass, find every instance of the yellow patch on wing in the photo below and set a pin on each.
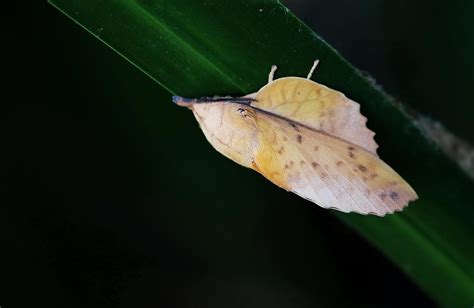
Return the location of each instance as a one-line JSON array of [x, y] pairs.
[[317, 106], [267, 160]]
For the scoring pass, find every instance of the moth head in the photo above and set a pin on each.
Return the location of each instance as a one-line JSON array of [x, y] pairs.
[[230, 126]]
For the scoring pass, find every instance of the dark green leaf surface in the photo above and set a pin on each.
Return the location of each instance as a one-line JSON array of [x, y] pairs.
[[195, 48]]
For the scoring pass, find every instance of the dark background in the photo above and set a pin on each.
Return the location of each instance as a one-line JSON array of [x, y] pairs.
[[117, 204]]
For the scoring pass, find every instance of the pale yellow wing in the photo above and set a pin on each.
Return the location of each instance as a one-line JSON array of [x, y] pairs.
[[318, 107], [326, 170]]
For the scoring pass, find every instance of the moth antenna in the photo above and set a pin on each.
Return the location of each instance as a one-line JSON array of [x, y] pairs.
[[315, 63], [272, 72]]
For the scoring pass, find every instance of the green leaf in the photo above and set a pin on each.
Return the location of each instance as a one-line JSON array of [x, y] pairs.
[[196, 48]]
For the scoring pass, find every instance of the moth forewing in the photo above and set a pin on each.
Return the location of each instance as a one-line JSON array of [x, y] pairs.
[[328, 171]]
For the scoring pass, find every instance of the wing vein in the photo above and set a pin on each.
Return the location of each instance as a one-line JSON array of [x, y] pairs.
[[331, 193], [344, 159], [328, 187]]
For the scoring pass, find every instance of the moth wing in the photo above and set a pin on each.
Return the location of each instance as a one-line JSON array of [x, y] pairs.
[[317, 106], [327, 170]]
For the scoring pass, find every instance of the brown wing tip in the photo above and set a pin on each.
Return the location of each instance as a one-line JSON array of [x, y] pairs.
[[395, 210], [384, 211], [410, 197]]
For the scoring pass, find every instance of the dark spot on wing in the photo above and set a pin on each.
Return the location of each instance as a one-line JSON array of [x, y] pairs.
[[287, 166], [362, 168], [281, 150], [339, 163], [382, 196], [324, 176], [365, 179], [292, 163], [299, 138], [394, 195], [351, 148], [373, 176], [294, 126], [315, 165], [316, 148], [351, 155]]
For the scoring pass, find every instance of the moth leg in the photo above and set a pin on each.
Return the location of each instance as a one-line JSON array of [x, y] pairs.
[[272, 72], [312, 69]]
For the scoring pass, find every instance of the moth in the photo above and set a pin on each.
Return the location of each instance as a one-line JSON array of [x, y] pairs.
[[305, 138]]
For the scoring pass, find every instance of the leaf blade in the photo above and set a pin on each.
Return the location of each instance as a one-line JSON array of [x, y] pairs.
[[178, 45]]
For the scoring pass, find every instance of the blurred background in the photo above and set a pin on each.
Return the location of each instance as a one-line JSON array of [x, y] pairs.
[[123, 203]]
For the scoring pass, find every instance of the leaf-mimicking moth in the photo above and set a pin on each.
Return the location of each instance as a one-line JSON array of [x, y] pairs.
[[305, 138]]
